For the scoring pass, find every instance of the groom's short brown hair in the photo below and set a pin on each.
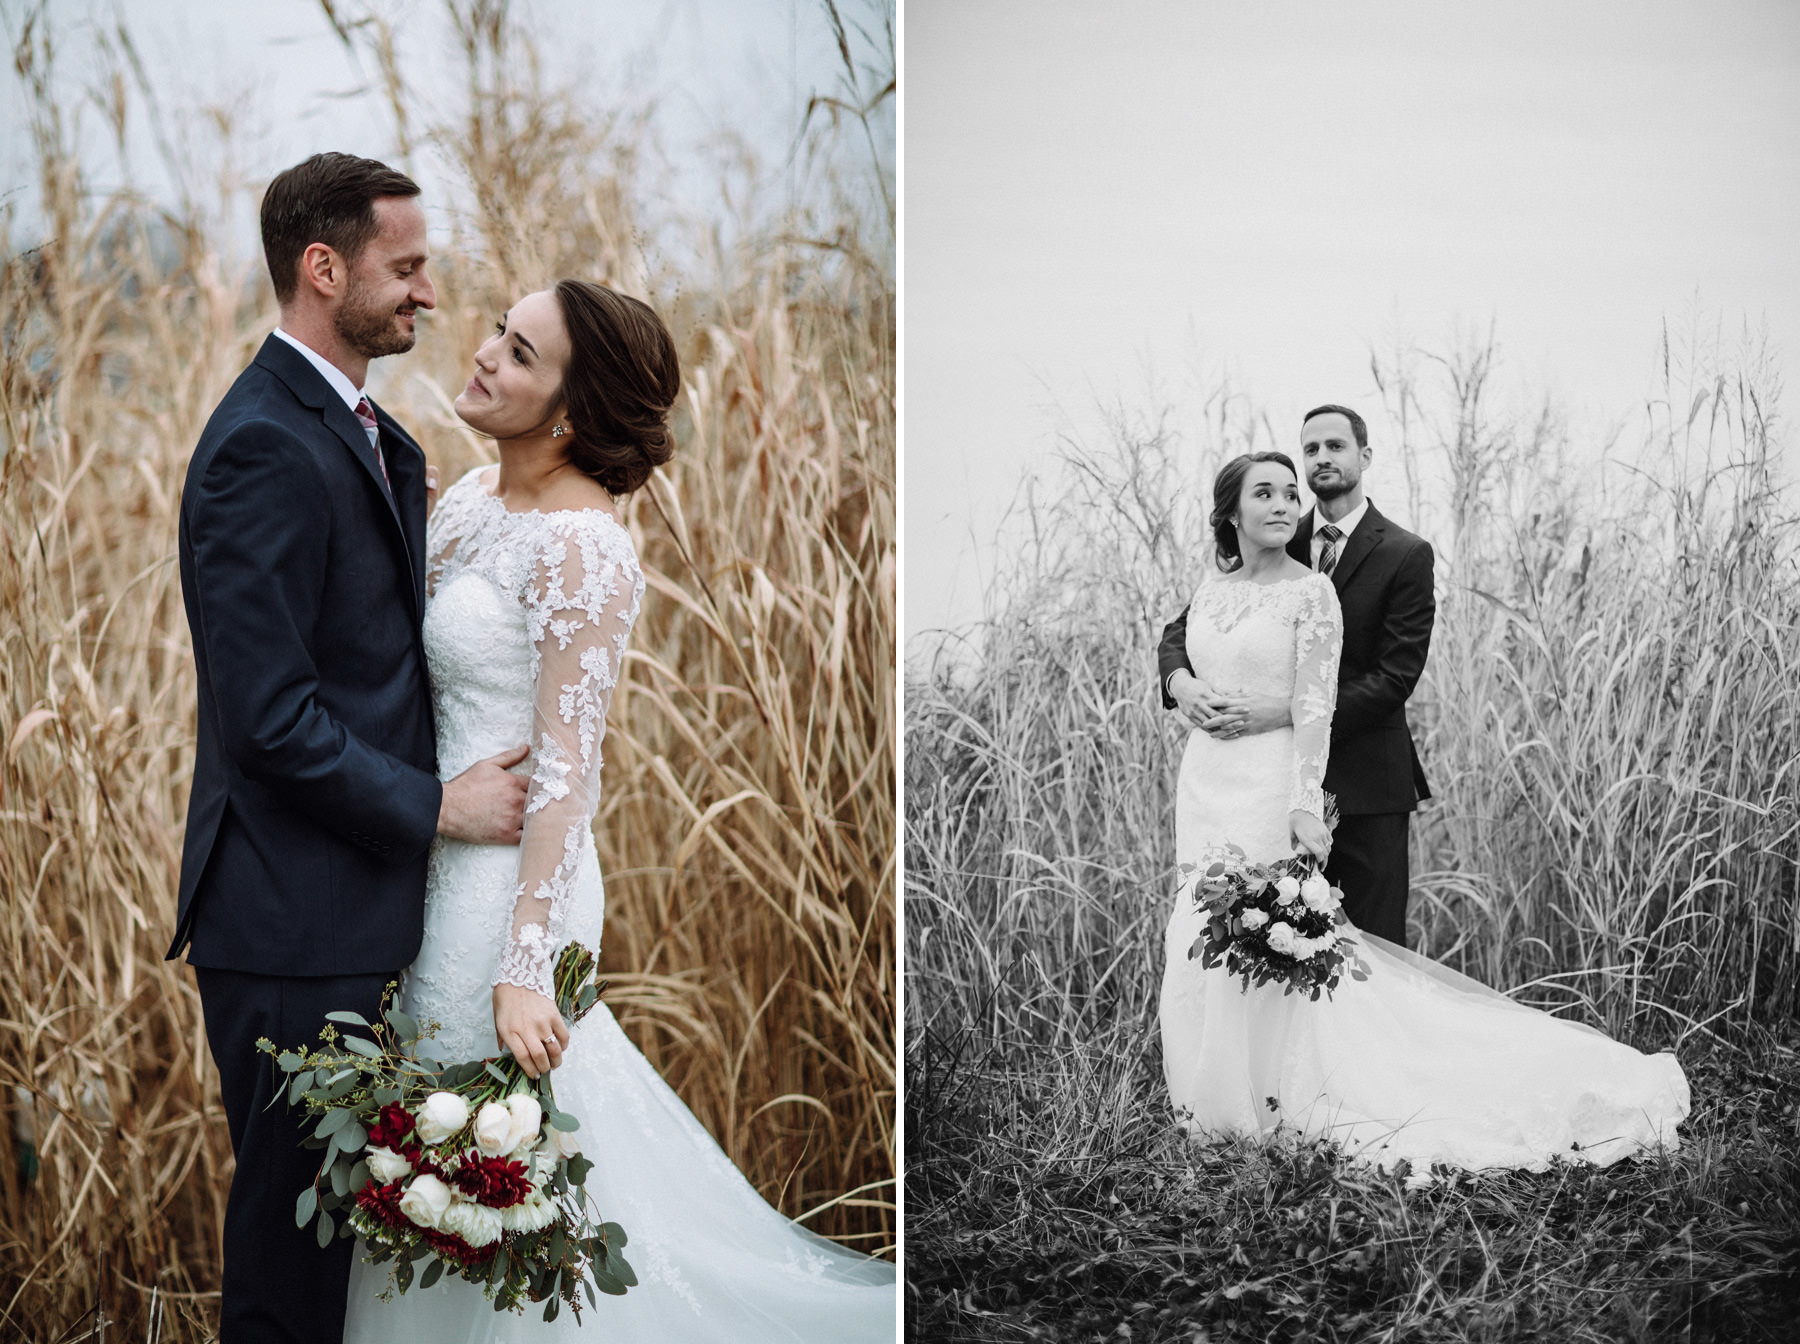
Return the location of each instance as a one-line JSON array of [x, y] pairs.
[[330, 199], [1357, 427]]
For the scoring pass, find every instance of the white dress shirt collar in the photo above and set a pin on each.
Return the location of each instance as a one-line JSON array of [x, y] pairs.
[[339, 380]]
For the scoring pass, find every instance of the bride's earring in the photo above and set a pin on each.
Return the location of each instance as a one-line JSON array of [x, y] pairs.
[[558, 432]]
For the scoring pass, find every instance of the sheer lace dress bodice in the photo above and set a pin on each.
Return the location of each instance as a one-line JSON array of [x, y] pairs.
[[1277, 639], [525, 631]]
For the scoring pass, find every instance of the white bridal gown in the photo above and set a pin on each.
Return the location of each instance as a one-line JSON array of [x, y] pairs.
[[1418, 1061], [525, 628]]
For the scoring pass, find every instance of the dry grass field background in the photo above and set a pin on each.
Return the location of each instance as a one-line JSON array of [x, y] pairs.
[[747, 828], [1610, 719]]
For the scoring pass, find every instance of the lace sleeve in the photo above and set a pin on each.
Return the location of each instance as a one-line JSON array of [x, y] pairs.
[[580, 604], [1318, 641]]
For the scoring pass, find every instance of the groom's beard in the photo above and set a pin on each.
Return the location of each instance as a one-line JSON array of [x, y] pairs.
[[370, 330], [1332, 487]]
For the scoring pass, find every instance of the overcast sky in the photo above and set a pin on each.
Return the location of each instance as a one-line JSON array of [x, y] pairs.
[[292, 88], [1263, 191]]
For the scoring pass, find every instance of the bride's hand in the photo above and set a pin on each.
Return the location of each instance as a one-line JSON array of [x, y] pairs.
[[1310, 834], [528, 1024]]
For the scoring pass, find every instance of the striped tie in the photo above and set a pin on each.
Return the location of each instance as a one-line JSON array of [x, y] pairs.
[[366, 414], [1328, 553]]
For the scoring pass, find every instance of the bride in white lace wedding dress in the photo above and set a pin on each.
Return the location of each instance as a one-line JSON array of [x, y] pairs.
[[528, 617], [1417, 1062]]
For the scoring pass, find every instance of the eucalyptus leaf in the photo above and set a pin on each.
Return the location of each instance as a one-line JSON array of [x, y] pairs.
[[359, 1174], [335, 1119], [403, 1275], [326, 1229], [352, 1137], [386, 1096], [616, 1240], [562, 1120], [551, 1308], [340, 1178], [402, 1023], [349, 1019], [606, 1281], [433, 1272], [617, 1264], [306, 1206], [289, 1060], [579, 1167], [298, 1084], [494, 1069], [368, 1049], [593, 1301]]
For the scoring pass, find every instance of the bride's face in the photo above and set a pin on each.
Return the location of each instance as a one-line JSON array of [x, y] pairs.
[[1268, 508], [516, 389]]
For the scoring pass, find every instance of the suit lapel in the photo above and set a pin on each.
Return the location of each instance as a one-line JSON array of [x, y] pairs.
[[1365, 539], [1300, 544], [312, 391]]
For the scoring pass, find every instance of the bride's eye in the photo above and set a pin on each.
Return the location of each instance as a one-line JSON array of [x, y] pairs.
[[500, 328]]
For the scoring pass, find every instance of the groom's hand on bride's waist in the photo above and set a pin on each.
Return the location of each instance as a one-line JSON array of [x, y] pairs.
[[485, 804], [1196, 700], [1245, 715]]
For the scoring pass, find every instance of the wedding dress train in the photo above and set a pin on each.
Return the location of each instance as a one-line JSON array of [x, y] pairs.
[[526, 626], [1417, 1062]]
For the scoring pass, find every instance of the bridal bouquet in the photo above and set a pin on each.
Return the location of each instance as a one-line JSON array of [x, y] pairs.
[[1271, 922], [468, 1167]]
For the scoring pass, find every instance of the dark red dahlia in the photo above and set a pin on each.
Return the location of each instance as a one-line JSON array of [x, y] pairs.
[[453, 1248], [497, 1182], [394, 1129], [382, 1202]]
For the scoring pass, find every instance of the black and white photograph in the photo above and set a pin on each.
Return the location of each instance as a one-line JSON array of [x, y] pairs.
[[1351, 700]]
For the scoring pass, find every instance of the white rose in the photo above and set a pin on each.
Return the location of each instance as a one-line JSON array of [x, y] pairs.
[[527, 1118], [1316, 892], [441, 1116], [563, 1143], [425, 1200], [476, 1224], [1255, 919], [1287, 890], [1281, 937], [493, 1126], [386, 1165]]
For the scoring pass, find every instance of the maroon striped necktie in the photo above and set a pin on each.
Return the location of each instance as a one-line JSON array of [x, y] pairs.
[[366, 414]]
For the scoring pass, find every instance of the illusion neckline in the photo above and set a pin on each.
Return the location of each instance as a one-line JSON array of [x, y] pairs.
[[481, 489], [1225, 580]]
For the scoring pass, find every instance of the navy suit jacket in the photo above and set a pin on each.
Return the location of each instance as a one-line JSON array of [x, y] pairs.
[[315, 795], [1384, 586]]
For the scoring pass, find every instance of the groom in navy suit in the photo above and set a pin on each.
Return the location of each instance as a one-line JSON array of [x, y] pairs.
[[1383, 577], [315, 794]]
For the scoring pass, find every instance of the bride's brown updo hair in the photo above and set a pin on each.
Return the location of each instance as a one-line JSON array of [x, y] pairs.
[[623, 377], [1228, 487]]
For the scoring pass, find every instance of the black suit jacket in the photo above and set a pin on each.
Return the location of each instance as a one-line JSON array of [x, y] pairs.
[[1384, 586], [315, 795]]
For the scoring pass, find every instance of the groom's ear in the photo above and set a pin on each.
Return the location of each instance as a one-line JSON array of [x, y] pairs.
[[323, 270]]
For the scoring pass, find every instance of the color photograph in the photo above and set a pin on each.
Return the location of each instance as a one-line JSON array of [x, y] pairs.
[[448, 710]]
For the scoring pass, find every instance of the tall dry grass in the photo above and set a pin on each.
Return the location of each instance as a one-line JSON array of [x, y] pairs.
[[747, 828], [1610, 721]]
